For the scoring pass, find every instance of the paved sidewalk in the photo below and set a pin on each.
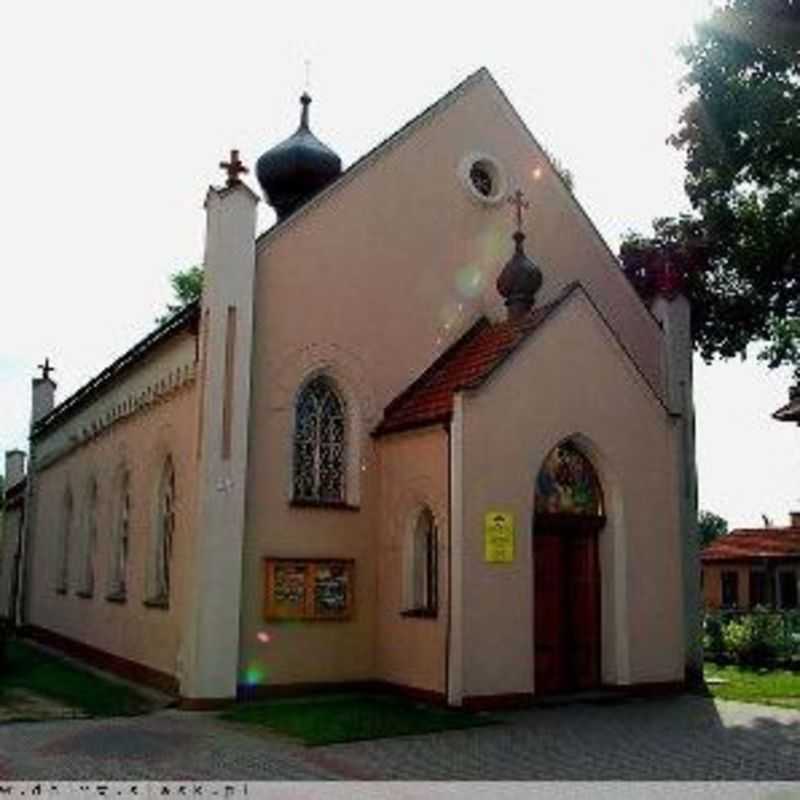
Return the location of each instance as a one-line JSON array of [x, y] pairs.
[[684, 738]]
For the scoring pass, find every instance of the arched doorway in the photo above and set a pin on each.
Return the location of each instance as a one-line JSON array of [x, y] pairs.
[[566, 569]]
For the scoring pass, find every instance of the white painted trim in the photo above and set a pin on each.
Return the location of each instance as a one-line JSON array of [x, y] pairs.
[[455, 677]]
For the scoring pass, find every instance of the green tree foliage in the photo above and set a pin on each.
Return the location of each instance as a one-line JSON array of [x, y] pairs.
[[709, 527], [740, 132], [187, 286]]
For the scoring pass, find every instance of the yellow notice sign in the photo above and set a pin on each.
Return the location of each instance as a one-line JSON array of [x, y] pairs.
[[498, 536]]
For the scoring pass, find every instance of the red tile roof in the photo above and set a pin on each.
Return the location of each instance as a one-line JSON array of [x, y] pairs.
[[465, 365], [744, 544]]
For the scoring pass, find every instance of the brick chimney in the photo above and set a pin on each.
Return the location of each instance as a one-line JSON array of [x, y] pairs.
[[15, 467], [44, 396]]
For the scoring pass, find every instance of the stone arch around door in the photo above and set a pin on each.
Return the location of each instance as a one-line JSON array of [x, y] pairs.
[[570, 515]]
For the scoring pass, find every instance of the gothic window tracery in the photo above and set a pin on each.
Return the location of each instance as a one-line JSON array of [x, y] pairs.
[[319, 444]]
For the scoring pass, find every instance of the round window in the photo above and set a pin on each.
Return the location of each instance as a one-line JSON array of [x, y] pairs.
[[483, 177]]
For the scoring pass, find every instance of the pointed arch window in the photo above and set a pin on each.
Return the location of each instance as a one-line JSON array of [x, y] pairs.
[[319, 444], [117, 585], [86, 585], [62, 564], [420, 567], [164, 538]]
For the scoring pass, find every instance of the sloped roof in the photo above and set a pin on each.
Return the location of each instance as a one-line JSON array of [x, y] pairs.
[[187, 317], [748, 543], [467, 364]]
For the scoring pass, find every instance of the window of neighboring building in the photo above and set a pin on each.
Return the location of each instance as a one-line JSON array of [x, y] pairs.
[[758, 588], [420, 567], [787, 589], [730, 589], [117, 585], [163, 538], [86, 586], [319, 444], [62, 566]]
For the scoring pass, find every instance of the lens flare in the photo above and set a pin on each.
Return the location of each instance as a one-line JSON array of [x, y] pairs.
[[264, 637], [255, 674], [469, 281]]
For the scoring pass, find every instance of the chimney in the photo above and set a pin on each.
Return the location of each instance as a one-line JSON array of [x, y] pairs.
[[794, 519], [15, 467], [44, 395]]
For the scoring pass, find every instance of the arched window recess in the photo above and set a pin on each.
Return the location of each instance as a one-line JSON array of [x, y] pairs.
[[568, 492]]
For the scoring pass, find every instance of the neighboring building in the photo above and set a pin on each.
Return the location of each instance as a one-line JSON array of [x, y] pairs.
[[385, 446], [753, 567]]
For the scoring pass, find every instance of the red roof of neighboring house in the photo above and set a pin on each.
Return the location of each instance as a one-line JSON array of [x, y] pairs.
[[465, 365], [746, 543]]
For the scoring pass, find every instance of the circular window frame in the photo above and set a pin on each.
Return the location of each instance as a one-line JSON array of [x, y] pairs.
[[496, 172]]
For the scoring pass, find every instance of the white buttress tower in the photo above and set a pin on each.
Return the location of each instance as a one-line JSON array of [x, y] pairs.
[[211, 653]]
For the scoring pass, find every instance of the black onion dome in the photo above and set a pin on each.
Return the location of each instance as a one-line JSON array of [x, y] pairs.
[[520, 280], [292, 172]]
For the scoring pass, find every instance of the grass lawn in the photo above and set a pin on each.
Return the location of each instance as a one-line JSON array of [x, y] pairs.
[[348, 718], [31, 670], [773, 687]]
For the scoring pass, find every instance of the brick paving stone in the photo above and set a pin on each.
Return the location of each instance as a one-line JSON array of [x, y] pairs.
[[680, 738]]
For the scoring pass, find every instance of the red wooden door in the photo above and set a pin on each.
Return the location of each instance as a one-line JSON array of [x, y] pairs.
[[566, 611], [584, 612], [549, 618]]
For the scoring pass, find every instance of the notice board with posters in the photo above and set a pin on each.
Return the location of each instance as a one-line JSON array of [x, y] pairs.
[[312, 589]]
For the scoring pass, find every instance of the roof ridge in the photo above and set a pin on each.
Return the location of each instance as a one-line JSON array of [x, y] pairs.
[[378, 149], [172, 324]]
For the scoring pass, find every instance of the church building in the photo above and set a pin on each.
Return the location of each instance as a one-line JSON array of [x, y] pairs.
[[421, 433]]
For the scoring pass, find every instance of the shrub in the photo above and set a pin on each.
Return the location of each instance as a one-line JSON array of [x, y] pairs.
[[712, 635], [753, 639]]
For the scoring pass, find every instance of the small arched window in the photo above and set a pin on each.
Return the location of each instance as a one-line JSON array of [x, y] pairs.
[[120, 536], [420, 567], [164, 535], [62, 556], [86, 587], [319, 444]]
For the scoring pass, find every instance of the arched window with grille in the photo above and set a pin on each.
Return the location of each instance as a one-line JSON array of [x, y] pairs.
[[319, 444], [86, 585], [117, 584], [164, 537], [420, 566], [62, 554]]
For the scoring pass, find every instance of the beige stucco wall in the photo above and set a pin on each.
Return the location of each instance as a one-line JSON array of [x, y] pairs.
[[571, 378], [414, 473], [370, 284], [140, 442]]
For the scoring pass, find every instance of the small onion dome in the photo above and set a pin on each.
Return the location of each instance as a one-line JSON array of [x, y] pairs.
[[519, 281], [292, 172]]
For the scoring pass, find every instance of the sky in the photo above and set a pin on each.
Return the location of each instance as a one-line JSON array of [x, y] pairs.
[[115, 117]]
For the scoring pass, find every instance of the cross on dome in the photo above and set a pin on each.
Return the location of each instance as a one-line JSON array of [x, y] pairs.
[[46, 369], [519, 202], [234, 168]]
